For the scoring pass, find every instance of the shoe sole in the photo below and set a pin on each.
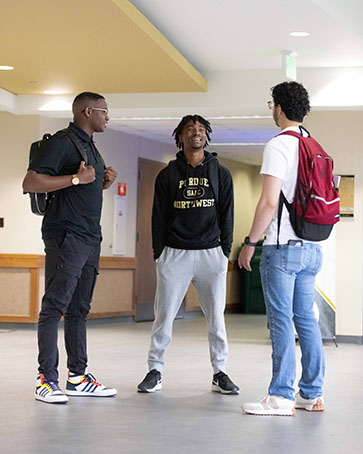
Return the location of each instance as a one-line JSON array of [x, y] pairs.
[[317, 407], [157, 387], [217, 389], [273, 413], [58, 402], [83, 394]]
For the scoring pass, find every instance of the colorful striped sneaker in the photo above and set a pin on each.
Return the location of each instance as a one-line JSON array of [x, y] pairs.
[[49, 391], [86, 386]]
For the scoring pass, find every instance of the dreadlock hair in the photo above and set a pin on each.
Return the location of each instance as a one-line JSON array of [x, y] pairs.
[[194, 118], [293, 99]]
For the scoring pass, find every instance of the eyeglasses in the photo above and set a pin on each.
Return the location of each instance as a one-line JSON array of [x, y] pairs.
[[105, 111], [270, 104]]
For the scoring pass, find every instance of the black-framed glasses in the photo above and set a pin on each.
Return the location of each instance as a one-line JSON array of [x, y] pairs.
[[270, 104]]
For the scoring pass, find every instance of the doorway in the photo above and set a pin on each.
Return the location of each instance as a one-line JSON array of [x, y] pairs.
[[145, 269]]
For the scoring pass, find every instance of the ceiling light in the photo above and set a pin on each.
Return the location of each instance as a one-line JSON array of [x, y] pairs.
[[6, 68], [300, 34], [56, 105]]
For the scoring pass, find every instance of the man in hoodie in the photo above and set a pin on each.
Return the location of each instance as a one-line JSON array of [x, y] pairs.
[[192, 229]]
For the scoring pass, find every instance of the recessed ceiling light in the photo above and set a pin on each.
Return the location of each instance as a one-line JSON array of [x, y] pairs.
[[300, 34], [6, 68]]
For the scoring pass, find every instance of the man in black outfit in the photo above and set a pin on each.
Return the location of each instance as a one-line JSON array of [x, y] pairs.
[[192, 229], [72, 235]]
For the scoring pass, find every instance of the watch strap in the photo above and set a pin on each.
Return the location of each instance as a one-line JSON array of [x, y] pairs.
[[248, 242]]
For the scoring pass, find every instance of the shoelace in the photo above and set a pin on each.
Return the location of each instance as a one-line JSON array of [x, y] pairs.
[[91, 378], [222, 377], [53, 385], [267, 401], [154, 372]]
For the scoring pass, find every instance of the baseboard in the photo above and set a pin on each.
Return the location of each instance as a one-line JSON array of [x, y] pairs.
[[349, 339], [11, 326]]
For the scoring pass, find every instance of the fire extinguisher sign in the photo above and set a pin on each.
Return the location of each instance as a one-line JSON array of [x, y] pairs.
[[121, 188]]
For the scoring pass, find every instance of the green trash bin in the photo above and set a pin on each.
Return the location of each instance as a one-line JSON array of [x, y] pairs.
[[251, 288]]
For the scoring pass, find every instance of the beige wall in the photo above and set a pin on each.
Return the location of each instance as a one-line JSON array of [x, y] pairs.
[[247, 187], [21, 229], [340, 134]]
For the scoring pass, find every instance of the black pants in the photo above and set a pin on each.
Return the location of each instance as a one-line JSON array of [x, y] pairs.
[[71, 268]]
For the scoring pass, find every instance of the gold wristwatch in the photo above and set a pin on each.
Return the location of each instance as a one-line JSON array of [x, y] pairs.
[[75, 179]]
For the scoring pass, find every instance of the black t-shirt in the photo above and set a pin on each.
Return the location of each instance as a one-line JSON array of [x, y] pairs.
[[76, 209]]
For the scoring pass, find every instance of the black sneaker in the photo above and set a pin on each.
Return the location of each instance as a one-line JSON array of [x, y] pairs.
[[223, 384], [151, 383]]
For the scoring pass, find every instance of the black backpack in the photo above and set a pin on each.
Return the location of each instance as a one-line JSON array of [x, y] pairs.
[[39, 202]]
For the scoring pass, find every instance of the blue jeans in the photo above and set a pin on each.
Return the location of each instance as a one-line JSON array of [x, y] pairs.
[[288, 277]]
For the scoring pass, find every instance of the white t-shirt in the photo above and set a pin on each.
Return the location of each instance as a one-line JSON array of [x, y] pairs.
[[280, 159]]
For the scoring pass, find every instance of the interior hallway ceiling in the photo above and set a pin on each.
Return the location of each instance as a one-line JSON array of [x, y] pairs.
[[158, 60]]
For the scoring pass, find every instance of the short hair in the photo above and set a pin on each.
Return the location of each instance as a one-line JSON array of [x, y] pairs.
[[293, 99], [87, 96], [194, 118]]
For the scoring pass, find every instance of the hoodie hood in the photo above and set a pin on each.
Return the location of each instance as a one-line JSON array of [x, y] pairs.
[[184, 166]]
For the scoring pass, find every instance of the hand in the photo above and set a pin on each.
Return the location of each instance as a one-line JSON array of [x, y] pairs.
[[109, 177], [245, 257], [86, 174]]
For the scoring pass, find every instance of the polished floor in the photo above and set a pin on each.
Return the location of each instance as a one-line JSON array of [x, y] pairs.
[[185, 417]]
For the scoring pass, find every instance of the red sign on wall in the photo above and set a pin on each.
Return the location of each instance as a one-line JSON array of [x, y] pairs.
[[121, 188]]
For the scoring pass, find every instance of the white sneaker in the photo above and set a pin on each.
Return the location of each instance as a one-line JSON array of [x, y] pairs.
[[87, 386], [49, 391], [316, 404], [271, 406]]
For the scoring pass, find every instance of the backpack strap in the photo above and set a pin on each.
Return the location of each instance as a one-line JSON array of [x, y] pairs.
[[77, 143], [282, 201]]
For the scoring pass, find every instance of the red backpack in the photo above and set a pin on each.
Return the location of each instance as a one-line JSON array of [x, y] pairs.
[[315, 206]]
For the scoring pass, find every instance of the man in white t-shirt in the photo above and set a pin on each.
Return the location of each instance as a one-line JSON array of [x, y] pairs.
[[287, 271]]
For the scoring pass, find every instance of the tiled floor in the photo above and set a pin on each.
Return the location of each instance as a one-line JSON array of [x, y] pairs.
[[185, 417]]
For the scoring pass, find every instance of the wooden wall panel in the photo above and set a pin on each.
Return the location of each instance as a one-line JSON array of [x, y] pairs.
[[22, 287], [113, 293], [15, 291]]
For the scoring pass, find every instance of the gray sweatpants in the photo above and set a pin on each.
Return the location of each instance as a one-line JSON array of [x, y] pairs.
[[175, 269]]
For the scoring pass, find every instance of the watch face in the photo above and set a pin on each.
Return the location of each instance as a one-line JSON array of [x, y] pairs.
[[75, 180]]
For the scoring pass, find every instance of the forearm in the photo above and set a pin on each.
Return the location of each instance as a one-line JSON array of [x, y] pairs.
[[107, 184], [36, 182], [262, 219]]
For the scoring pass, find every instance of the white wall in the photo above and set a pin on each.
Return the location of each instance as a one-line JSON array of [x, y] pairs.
[[21, 234], [338, 132], [340, 135]]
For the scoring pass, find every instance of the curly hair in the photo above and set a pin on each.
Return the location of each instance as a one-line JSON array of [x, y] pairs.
[[293, 99], [194, 118]]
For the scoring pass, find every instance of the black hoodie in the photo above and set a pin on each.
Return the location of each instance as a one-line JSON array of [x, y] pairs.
[[185, 212]]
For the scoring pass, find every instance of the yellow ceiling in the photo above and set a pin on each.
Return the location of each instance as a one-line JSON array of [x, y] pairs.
[[105, 46]]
